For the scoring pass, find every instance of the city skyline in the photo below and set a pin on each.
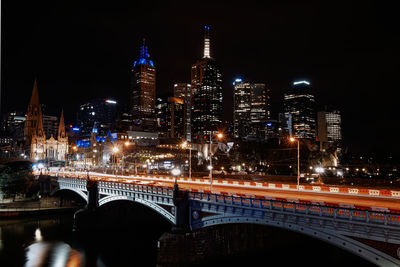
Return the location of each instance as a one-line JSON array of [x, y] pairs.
[[332, 54]]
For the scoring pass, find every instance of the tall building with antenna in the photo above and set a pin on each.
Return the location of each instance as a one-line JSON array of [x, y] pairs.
[[143, 91], [206, 85]]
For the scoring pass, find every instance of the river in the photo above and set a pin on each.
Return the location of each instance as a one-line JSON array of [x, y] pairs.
[[48, 240]]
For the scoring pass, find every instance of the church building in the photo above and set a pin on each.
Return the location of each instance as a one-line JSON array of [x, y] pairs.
[[41, 147]]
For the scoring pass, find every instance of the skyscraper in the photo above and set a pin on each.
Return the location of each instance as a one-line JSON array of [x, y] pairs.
[[329, 128], [170, 117], [241, 108], [97, 114], [143, 91], [299, 104], [251, 109], [206, 84], [184, 92]]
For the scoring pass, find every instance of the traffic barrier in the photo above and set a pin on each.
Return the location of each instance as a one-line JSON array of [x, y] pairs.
[[373, 192], [316, 188]]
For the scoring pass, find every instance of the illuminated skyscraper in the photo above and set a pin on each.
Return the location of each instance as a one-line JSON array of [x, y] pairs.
[[251, 109], [170, 117], [143, 91], [299, 104], [206, 84], [184, 92], [241, 108], [329, 128], [97, 115]]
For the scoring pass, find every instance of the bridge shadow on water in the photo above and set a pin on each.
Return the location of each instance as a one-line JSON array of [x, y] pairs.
[[124, 234]]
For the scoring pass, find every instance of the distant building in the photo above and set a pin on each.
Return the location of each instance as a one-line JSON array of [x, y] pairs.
[[250, 110], [184, 92], [329, 128], [12, 128], [170, 117], [143, 91], [299, 104], [206, 85], [97, 114]]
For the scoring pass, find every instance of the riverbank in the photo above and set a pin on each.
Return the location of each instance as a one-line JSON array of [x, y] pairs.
[[46, 205]]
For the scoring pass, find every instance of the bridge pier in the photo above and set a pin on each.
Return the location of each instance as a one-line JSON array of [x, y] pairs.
[[181, 206], [85, 219]]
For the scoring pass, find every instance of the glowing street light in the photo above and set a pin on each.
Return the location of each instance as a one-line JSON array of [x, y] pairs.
[[176, 172], [292, 139], [184, 145], [219, 136]]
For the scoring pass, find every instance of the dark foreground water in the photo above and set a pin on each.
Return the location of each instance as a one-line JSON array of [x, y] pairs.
[[50, 241]]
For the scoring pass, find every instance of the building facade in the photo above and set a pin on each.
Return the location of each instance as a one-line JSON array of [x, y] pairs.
[[299, 104], [97, 114], [251, 109], [184, 91], [329, 128], [171, 117], [143, 91], [206, 84]]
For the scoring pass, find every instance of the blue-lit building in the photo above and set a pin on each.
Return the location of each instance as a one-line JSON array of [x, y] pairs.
[[300, 108], [206, 84], [143, 92], [97, 115]]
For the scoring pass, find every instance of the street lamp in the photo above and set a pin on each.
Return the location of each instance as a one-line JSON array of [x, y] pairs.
[[176, 172], [292, 139], [210, 167], [115, 150], [184, 145]]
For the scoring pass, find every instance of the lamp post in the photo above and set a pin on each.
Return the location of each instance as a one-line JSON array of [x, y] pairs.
[[184, 145], [115, 150], [292, 139], [210, 167], [176, 172]]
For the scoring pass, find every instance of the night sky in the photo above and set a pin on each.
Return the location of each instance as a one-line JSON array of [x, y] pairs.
[[79, 50]]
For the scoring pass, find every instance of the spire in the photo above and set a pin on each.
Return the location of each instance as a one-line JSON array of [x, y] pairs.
[[33, 122], [143, 50], [35, 95], [39, 131], [61, 127], [206, 42]]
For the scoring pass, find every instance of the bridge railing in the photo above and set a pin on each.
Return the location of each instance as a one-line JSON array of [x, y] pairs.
[[165, 191], [363, 216]]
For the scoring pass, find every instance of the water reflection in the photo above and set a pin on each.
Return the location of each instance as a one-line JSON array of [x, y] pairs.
[[54, 254], [38, 235], [1, 241]]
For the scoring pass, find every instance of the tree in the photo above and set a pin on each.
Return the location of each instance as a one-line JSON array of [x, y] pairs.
[[15, 178]]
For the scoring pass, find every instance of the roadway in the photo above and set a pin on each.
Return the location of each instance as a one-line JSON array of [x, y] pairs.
[[379, 203]]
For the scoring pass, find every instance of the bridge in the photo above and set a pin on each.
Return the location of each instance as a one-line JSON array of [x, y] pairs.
[[371, 232]]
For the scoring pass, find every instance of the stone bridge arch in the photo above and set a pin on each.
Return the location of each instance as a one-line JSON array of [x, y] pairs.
[[82, 194], [157, 208], [341, 241]]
